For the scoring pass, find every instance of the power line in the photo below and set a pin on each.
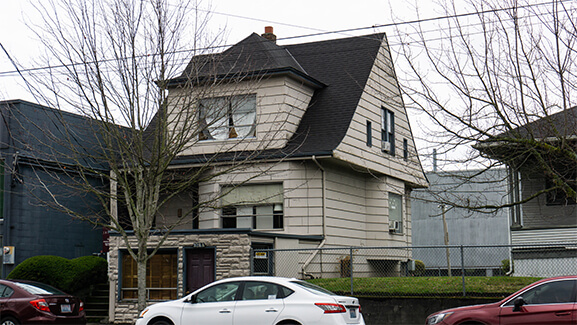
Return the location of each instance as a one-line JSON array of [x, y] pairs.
[[322, 33]]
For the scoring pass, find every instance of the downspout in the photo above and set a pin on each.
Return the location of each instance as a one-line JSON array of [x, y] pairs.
[[324, 221]]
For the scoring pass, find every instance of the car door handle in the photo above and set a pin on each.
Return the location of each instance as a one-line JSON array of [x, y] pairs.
[[272, 310], [563, 313], [224, 311]]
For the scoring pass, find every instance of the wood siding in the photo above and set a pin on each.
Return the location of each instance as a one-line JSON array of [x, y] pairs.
[[280, 105], [356, 202], [382, 90], [536, 213]]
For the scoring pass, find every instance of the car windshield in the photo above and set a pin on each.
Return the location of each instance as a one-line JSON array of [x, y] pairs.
[[39, 288], [313, 288]]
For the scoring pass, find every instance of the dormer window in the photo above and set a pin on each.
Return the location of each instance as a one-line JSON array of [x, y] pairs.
[[228, 117]]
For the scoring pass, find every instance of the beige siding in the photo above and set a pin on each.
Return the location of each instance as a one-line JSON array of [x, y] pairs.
[[382, 90], [356, 203], [281, 103]]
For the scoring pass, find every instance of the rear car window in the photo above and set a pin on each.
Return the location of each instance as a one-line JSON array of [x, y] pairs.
[[313, 288], [39, 288]]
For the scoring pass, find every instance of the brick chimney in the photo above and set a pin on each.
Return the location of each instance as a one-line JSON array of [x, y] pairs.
[[268, 34]]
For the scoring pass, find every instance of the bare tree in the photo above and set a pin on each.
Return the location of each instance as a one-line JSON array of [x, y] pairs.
[[119, 63], [496, 82]]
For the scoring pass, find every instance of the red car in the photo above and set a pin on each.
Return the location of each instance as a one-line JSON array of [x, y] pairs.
[[25, 302], [548, 301]]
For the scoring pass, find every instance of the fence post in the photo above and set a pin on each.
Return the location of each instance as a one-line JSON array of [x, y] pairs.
[[351, 268], [251, 260], [463, 270]]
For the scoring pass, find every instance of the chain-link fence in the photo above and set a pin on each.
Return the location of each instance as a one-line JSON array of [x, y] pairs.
[[416, 261]]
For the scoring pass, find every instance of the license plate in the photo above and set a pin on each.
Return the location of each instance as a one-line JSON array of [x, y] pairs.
[[353, 313], [65, 308]]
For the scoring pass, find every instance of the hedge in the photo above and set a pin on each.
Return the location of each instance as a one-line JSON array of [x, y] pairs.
[[73, 276]]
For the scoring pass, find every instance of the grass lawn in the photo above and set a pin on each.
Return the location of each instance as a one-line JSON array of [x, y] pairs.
[[489, 287]]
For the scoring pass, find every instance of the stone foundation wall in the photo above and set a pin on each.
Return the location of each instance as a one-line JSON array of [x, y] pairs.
[[232, 260]]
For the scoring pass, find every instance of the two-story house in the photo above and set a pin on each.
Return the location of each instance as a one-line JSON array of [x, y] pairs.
[[335, 166], [534, 153], [37, 168]]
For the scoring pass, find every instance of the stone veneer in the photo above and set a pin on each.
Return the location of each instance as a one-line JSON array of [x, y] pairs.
[[232, 260]]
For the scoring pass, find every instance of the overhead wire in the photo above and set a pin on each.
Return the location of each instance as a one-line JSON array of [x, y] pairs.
[[320, 33]]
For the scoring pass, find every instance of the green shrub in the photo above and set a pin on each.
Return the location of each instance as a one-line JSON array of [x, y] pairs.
[[419, 268], [74, 276], [506, 266]]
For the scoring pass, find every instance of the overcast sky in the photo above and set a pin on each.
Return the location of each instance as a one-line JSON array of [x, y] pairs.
[[290, 19]]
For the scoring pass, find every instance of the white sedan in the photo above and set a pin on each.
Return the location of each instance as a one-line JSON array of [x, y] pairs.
[[256, 300]]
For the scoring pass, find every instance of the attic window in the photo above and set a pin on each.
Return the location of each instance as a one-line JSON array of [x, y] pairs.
[[228, 117]]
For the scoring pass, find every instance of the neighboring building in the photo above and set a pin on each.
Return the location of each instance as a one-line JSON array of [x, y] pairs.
[[33, 151], [340, 160], [466, 227], [548, 217]]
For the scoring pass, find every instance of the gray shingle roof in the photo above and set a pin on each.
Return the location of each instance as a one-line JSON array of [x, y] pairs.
[[341, 65]]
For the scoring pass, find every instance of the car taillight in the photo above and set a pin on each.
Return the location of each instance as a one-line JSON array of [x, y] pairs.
[[40, 304], [331, 308], [81, 306]]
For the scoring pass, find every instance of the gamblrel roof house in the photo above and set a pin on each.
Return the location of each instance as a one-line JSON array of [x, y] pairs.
[[335, 166]]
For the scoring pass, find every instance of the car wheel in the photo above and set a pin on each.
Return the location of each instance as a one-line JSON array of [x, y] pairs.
[[158, 322], [10, 321]]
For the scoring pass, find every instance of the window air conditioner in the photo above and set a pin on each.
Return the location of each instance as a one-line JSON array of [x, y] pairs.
[[394, 226], [386, 146]]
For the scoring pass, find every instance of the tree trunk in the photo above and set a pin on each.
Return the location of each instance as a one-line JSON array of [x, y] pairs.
[[141, 272]]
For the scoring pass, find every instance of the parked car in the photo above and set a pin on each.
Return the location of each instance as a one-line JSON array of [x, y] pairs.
[[27, 302], [256, 300], [548, 301]]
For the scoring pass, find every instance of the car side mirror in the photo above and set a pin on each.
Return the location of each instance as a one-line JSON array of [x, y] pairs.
[[191, 299], [519, 302]]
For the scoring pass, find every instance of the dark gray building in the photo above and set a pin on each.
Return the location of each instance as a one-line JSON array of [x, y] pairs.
[[464, 227], [36, 163]]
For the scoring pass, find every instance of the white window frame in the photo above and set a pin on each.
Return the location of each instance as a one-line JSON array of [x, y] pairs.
[[228, 117]]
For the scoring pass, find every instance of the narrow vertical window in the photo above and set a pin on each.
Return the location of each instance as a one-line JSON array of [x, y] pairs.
[[387, 131], [405, 149], [395, 213], [369, 134]]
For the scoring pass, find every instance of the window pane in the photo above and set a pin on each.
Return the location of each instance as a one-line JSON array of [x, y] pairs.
[[550, 293], [161, 276], [214, 117], [264, 217], [395, 207], [260, 290], [244, 115], [253, 194], [219, 292]]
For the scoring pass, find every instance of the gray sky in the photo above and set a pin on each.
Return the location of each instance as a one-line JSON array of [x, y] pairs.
[[290, 19], [238, 18]]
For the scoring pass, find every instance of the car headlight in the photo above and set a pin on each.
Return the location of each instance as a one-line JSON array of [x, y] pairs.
[[436, 319]]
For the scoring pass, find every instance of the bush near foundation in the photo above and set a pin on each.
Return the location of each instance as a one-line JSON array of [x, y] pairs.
[[75, 276]]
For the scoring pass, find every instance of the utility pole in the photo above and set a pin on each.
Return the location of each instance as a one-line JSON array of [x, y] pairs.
[[446, 233]]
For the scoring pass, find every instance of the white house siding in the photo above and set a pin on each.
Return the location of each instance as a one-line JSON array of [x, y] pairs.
[[540, 267], [541, 260], [382, 90], [281, 103], [544, 236]]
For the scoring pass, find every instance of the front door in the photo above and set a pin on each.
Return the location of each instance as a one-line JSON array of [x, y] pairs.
[[200, 268]]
